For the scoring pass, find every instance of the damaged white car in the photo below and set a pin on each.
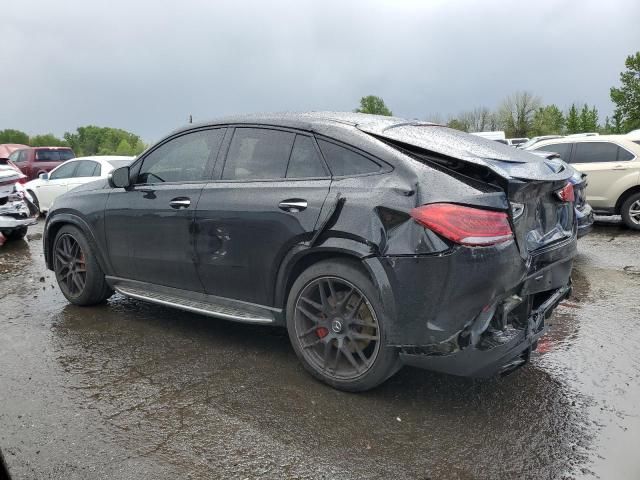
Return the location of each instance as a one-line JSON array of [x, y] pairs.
[[17, 210]]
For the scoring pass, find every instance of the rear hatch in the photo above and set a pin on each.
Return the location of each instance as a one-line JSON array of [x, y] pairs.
[[532, 184]]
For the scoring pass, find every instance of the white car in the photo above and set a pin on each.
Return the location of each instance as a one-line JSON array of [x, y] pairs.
[[612, 165], [72, 173]]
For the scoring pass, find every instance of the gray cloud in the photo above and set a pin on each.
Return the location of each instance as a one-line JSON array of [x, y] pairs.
[[146, 65]]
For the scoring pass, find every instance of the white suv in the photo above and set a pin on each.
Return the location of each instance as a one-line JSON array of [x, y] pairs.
[[612, 165]]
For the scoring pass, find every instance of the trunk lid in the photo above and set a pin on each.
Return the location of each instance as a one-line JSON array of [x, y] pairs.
[[530, 182]]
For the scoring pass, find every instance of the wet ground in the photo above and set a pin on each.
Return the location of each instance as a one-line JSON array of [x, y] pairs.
[[132, 390]]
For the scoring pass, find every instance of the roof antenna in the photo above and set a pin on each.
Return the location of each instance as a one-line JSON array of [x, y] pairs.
[[190, 118]]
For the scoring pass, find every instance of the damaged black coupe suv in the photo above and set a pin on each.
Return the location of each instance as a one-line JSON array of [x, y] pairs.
[[378, 242]]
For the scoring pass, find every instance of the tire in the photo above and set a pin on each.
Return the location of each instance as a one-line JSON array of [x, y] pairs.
[[36, 202], [351, 326], [16, 234], [73, 256], [630, 211]]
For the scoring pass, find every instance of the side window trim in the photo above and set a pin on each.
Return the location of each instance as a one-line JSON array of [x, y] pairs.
[[621, 148], [137, 165], [226, 144], [384, 166]]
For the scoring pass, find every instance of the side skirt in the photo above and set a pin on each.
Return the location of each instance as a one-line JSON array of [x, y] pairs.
[[202, 303]]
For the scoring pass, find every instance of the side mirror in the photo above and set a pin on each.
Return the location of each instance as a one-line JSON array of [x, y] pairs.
[[119, 178], [43, 176]]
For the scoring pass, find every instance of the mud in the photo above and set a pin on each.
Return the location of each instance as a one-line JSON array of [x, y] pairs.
[[132, 390]]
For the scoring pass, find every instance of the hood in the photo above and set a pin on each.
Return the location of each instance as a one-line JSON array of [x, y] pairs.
[[504, 160]]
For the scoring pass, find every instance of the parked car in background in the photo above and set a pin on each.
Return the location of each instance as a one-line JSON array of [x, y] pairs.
[[33, 161], [72, 173], [532, 141], [377, 241], [6, 149], [612, 164], [515, 142], [17, 212], [584, 212]]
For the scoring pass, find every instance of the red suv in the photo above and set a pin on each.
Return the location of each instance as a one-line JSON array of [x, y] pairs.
[[36, 160]]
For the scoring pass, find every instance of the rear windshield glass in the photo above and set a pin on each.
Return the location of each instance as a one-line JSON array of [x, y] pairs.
[[53, 155], [119, 163]]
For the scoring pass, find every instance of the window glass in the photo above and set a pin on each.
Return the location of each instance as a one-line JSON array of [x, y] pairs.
[[343, 161], [305, 161], [15, 156], [183, 159], [64, 171], [624, 155], [87, 168], [562, 149], [590, 152], [53, 155], [258, 153]]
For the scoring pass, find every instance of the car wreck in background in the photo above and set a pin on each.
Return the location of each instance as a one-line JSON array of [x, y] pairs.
[[17, 211]]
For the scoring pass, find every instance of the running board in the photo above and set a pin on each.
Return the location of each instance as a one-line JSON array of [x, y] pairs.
[[194, 302]]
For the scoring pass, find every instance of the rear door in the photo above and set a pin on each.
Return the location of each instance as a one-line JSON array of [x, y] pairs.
[[606, 165], [149, 226], [267, 198]]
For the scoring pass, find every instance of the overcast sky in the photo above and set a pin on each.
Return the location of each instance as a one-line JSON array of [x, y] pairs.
[[145, 65]]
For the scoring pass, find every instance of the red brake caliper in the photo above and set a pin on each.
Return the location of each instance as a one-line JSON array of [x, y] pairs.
[[322, 332]]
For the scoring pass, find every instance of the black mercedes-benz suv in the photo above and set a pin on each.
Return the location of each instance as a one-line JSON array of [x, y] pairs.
[[376, 241]]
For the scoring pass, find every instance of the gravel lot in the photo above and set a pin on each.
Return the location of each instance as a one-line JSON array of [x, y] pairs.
[[132, 390]]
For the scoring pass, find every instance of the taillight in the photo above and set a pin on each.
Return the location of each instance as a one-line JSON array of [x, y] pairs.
[[464, 225], [566, 194]]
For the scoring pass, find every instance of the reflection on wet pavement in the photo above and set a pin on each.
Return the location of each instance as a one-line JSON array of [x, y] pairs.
[[130, 390]]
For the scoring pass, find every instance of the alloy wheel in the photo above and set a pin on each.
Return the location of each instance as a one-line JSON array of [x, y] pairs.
[[634, 212], [337, 328], [70, 265]]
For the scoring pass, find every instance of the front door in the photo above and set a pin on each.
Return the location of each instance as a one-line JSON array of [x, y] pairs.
[[149, 226], [268, 199], [48, 190]]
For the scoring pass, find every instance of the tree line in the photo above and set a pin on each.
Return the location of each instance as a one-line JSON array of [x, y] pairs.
[[87, 140], [523, 114]]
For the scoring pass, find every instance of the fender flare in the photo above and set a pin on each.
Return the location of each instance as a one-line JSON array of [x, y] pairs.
[[58, 221]]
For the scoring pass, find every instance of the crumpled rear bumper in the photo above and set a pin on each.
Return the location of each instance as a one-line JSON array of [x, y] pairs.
[[500, 352], [17, 213]]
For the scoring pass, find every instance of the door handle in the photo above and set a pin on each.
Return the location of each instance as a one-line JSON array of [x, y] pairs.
[[180, 202], [293, 205]]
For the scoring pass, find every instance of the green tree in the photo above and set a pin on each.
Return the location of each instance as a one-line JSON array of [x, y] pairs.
[[373, 105], [92, 140], [548, 120], [13, 136], [516, 113], [588, 120], [573, 120], [123, 148], [138, 148], [627, 97], [458, 125], [46, 140]]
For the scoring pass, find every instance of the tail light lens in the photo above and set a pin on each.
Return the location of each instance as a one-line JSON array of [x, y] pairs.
[[464, 225], [566, 193]]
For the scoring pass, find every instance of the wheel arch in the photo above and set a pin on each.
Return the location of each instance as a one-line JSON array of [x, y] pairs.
[[53, 227], [626, 194], [357, 253]]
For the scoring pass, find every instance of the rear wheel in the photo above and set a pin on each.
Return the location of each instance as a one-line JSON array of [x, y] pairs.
[[337, 327], [630, 211], [78, 273]]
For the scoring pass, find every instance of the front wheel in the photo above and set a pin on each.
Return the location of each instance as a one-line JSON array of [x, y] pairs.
[[630, 211], [337, 327], [78, 273]]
